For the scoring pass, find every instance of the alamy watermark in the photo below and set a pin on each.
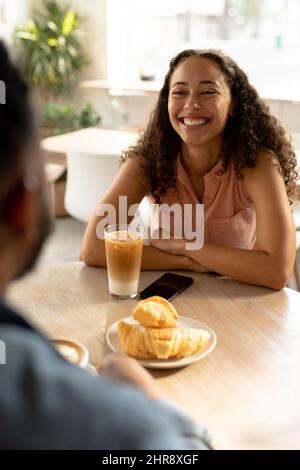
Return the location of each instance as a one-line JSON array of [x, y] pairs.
[[163, 221], [2, 353], [2, 92]]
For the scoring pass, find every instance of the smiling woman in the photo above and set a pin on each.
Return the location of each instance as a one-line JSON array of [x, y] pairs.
[[211, 140], [199, 105]]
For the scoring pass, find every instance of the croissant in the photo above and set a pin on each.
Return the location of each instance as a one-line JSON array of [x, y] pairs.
[[155, 312], [160, 343]]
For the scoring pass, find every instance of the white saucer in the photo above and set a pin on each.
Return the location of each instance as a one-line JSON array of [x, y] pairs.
[[72, 351]]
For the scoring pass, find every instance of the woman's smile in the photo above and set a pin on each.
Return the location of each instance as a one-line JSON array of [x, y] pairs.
[[193, 123], [199, 102]]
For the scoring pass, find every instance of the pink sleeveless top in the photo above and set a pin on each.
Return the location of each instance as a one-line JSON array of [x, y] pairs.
[[229, 218]]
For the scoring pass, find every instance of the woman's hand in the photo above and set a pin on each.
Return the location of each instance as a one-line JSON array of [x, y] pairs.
[[175, 247], [197, 267]]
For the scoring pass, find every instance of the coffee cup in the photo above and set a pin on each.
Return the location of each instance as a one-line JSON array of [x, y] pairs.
[[72, 351]]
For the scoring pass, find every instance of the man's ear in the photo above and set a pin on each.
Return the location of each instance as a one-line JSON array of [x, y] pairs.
[[19, 210]]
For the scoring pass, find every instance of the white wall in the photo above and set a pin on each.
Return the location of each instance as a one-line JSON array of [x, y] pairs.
[[123, 111], [14, 13]]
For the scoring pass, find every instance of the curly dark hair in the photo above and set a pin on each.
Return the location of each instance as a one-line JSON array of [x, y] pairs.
[[251, 129]]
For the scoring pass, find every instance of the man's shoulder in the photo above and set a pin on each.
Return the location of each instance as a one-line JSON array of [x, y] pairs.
[[22, 341], [47, 403], [60, 405]]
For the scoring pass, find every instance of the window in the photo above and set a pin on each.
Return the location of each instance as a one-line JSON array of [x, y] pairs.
[[1, 11], [263, 36]]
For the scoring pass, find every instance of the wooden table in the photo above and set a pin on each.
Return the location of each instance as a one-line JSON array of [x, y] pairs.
[[247, 391]]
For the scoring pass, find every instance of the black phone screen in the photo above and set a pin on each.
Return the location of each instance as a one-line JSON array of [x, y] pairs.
[[168, 286]]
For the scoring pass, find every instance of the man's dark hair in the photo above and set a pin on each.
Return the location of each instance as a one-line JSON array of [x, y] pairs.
[[16, 118]]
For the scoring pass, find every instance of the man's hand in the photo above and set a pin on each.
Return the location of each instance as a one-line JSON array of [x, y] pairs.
[[125, 369]]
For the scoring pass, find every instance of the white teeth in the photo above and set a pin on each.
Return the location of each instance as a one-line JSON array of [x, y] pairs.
[[194, 122]]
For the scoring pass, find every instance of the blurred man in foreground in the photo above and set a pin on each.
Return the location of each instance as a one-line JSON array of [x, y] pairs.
[[45, 402]]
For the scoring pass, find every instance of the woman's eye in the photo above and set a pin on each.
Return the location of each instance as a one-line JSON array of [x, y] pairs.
[[178, 92], [208, 92]]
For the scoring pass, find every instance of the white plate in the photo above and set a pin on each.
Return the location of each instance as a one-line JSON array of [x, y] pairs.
[[113, 342]]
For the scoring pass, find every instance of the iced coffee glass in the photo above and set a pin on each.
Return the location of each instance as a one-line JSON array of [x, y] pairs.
[[124, 247]]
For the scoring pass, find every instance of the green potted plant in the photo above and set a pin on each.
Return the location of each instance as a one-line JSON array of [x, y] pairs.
[[61, 118], [51, 50], [88, 117]]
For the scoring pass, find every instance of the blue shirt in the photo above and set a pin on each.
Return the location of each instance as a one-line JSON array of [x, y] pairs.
[[48, 403]]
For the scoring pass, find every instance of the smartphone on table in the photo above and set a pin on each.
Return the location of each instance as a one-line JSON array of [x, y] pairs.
[[167, 286]]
